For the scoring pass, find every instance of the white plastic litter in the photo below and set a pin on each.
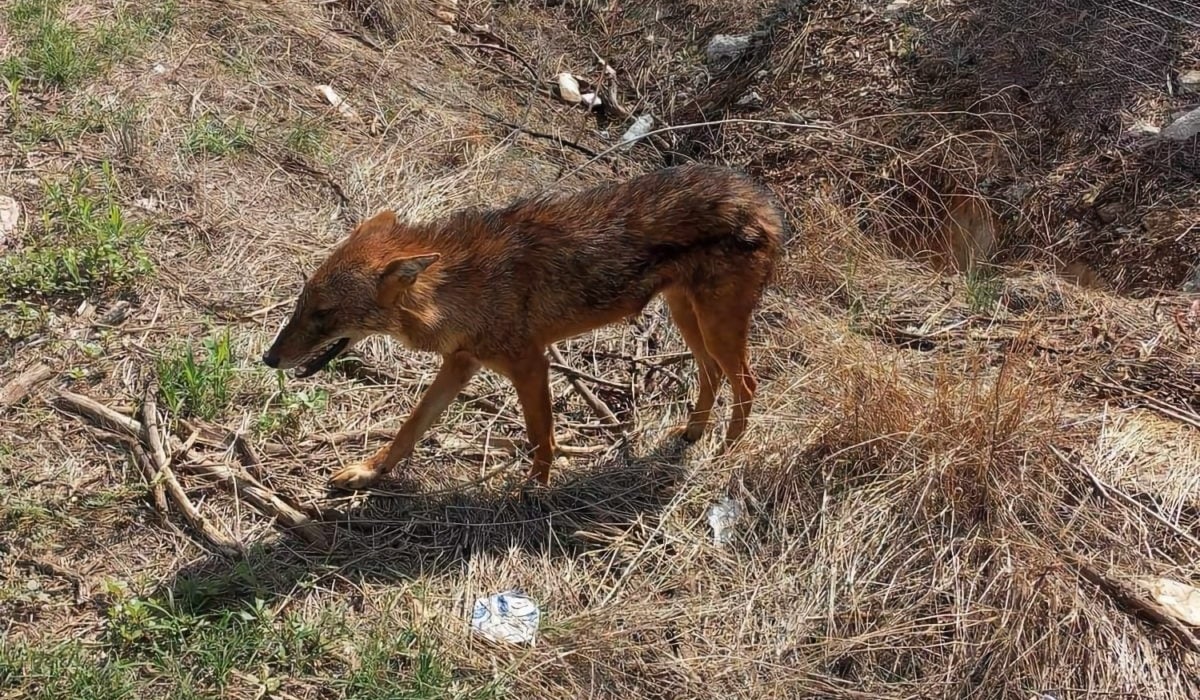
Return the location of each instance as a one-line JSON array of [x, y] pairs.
[[722, 517], [568, 87], [506, 617], [336, 100], [591, 100], [641, 127]]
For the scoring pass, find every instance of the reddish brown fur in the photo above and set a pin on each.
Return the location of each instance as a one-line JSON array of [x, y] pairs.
[[494, 288]]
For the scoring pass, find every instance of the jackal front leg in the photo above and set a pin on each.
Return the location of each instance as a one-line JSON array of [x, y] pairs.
[[531, 377], [457, 369]]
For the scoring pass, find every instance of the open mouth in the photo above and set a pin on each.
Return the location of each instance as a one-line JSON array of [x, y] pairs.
[[321, 357]]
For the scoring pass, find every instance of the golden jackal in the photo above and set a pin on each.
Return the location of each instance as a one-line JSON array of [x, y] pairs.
[[495, 288]]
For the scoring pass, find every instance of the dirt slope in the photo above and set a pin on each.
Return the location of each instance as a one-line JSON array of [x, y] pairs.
[[965, 477]]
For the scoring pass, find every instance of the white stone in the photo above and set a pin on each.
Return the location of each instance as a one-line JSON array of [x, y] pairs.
[[10, 216]]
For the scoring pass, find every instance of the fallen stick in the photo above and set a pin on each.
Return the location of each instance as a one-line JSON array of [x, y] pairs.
[[253, 468], [262, 499], [100, 414], [1133, 601], [1110, 490], [163, 474], [24, 383], [594, 401], [257, 495], [158, 495], [572, 372]]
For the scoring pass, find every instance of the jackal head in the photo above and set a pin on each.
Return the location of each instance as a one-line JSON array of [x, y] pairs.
[[350, 296]]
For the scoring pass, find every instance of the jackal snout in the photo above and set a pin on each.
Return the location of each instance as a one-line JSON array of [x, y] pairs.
[[353, 294]]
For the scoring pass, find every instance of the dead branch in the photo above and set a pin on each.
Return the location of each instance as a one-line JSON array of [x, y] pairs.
[[99, 414], [257, 495], [572, 372], [594, 401], [252, 464], [163, 474], [22, 384], [157, 493], [1135, 603], [1110, 490], [262, 499]]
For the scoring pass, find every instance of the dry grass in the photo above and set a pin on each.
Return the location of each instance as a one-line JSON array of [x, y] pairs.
[[952, 479]]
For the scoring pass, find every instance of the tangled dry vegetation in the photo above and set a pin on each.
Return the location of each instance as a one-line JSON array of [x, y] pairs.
[[973, 465]]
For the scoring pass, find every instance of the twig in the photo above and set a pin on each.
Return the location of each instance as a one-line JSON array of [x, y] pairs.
[[262, 499], [572, 372], [22, 384], [157, 494], [1127, 596], [253, 466], [248, 455], [164, 475], [1151, 401], [719, 122], [594, 401], [1110, 490], [255, 493], [542, 135], [515, 445], [100, 414]]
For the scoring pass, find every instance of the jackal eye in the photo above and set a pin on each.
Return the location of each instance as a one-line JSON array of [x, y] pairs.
[[322, 316]]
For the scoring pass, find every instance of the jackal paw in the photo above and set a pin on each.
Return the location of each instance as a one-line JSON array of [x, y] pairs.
[[355, 476], [686, 432]]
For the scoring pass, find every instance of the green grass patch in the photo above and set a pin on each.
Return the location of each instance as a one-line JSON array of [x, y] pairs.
[[216, 137], [69, 123], [51, 50], [161, 648], [20, 319], [66, 670], [286, 409], [984, 286], [86, 244], [306, 140], [198, 384]]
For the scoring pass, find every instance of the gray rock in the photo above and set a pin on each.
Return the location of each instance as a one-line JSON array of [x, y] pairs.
[[1192, 284], [1184, 127], [1189, 81], [726, 47], [751, 100]]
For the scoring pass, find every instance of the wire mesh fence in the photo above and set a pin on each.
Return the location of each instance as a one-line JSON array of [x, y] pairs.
[[1092, 82]]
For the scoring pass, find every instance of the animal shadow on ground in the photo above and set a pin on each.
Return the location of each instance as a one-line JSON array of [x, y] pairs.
[[395, 538]]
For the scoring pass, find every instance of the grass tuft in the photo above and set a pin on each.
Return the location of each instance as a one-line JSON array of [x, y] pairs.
[[199, 386], [216, 137], [54, 51], [86, 243]]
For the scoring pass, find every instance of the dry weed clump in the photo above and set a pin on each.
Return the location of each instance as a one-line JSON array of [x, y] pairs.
[[937, 535]]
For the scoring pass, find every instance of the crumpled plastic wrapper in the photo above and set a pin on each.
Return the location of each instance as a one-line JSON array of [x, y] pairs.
[[722, 517], [506, 617]]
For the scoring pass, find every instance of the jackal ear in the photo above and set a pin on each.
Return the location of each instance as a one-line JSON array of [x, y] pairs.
[[383, 220], [400, 273]]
